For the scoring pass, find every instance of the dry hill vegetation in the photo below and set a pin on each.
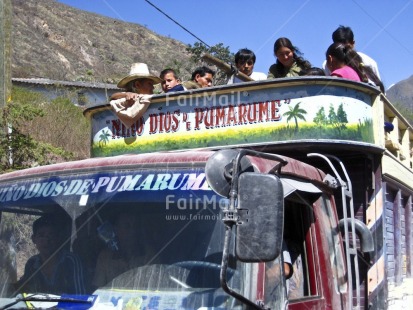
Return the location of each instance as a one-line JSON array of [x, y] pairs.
[[401, 95], [55, 41]]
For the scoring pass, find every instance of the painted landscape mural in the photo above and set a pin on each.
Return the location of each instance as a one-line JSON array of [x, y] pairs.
[[238, 118]]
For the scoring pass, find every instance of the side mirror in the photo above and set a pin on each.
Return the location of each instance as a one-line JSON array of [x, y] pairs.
[[218, 170], [261, 217]]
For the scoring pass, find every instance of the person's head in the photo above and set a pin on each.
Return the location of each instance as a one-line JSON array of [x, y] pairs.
[[343, 35], [203, 76], [245, 60], [313, 71], [141, 86], [139, 80], [339, 55], [336, 56], [46, 235], [169, 79], [285, 52]]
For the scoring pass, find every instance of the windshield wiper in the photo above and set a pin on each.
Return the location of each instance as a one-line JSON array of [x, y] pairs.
[[51, 298]]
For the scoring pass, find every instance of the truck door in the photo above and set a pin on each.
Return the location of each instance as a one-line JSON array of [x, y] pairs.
[[313, 241], [315, 245]]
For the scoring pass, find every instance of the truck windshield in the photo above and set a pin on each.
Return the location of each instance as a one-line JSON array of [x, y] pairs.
[[142, 237]]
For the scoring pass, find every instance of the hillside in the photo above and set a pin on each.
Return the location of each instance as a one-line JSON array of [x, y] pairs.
[[59, 42], [55, 41], [401, 95]]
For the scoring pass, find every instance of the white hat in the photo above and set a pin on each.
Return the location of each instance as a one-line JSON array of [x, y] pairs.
[[138, 70]]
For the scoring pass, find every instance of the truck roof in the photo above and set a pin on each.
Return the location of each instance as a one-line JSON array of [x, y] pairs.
[[187, 159]]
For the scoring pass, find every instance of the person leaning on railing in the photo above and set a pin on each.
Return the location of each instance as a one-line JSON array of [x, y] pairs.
[[131, 104]]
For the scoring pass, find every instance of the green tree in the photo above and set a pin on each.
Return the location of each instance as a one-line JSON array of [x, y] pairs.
[[218, 50], [295, 113], [341, 117], [320, 117], [341, 114], [337, 119], [18, 148], [332, 116], [71, 130], [104, 138]]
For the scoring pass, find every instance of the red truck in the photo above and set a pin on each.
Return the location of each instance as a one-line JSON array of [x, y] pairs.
[[217, 183]]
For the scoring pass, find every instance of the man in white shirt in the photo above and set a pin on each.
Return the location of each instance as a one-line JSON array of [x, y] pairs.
[[244, 61], [345, 35]]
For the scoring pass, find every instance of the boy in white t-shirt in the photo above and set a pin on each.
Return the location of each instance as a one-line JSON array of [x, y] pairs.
[[244, 61]]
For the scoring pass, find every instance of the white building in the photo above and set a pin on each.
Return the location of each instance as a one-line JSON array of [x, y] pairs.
[[85, 94]]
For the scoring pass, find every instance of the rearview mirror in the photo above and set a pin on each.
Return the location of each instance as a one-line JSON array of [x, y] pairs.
[[261, 217]]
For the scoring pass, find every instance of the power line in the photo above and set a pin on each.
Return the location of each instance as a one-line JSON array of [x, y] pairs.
[[177, 23], [383, 28]]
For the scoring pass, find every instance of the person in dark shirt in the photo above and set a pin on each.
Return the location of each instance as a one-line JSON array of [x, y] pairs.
[[170, 81], [202, 77], [53, 270]]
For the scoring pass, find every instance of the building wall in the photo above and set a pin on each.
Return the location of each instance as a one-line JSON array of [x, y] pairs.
[[398, 206], [79, 95]]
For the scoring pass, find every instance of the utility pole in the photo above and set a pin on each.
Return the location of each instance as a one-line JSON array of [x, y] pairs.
[[5, 55], [5, 62]]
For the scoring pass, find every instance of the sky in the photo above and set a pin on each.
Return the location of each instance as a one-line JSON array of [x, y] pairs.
[[382, 28]]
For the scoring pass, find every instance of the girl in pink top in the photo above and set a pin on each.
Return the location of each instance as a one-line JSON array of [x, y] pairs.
[[346, 72], [343, 61]]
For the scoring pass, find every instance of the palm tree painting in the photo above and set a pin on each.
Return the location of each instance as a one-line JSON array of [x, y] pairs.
[[295, 113], [104, 137]]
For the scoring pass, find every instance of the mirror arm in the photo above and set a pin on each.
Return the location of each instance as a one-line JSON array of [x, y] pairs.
[[223, 273], [230, 218]]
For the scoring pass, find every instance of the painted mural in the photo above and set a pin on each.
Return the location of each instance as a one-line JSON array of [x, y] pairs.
[[238, 118]]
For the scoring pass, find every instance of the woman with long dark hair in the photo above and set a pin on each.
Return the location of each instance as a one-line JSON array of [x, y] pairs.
[[289, 60]]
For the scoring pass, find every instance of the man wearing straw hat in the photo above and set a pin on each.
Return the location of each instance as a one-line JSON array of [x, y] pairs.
[[130, 105]]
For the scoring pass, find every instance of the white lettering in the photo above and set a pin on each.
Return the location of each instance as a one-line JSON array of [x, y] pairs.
[[49, 189], [161, 181], [18, 193], [122, 183], [113, 186], [73, 187], [33, 189], [103, 181], [146, 184], [59, 188], [194, 182], [84, 188], [130, 182]]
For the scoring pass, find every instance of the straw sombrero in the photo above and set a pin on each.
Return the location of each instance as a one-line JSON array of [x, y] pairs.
[[138, 71]]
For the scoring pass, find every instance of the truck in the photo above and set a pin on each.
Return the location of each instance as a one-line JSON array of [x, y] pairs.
[[218, 184]]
